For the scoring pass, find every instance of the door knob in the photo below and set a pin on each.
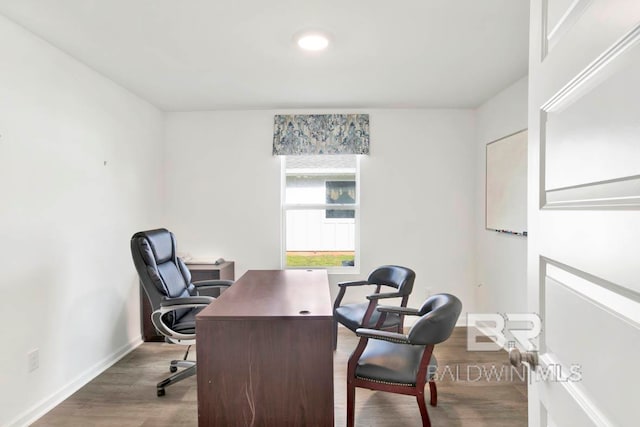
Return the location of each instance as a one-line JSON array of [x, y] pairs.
[[516, 357]]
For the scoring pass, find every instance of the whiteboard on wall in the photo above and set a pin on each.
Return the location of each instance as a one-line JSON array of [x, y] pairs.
[[506, 185]]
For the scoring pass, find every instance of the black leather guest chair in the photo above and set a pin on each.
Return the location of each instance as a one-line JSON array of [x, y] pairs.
[[393, 278], [398, 363], [174, 299]]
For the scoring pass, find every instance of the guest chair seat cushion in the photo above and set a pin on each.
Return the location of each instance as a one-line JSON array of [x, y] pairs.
[[352, 315], [389, 362]]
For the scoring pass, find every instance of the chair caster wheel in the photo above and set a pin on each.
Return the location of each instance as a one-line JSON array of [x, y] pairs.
[[173, 369], [160, 392]]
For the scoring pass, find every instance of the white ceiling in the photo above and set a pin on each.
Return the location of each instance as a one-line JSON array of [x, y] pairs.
[[185, 55]]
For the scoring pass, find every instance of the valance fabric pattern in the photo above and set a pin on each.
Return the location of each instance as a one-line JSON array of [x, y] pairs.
[[312, 134]]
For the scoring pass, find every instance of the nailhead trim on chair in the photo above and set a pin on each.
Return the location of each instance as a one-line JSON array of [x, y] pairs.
[[396, 341], [390, 383], [385, 382], [393, 340]]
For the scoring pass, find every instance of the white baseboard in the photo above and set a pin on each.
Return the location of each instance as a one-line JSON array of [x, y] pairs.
[[47, 404]]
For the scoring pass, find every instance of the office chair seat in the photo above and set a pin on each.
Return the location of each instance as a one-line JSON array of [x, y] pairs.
[[389, 362], [187, 323]]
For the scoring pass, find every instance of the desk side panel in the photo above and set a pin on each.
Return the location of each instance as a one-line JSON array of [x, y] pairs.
[[265, 372]]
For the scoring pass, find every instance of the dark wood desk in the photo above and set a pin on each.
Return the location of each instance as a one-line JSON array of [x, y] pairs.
[[222, 271], [265, 352]]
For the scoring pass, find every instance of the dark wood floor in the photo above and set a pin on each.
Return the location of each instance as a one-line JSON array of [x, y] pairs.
[[469, 393]]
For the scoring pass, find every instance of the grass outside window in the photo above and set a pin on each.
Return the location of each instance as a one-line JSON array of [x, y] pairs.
[[319, 259]]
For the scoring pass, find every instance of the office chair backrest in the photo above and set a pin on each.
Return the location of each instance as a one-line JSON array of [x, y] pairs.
[[401, 278], [439, 315], [162, 273]]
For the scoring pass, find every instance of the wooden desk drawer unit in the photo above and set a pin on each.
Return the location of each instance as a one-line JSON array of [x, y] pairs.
[[222, 271], [265, 352]]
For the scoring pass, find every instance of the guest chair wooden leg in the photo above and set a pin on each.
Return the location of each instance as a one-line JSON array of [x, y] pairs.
[[434, 393], [351, 403], [423, 408]]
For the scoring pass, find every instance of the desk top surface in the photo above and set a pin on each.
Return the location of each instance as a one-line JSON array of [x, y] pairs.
[[274, 293]]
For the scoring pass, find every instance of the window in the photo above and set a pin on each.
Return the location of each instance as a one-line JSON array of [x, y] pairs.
[[320, 212]]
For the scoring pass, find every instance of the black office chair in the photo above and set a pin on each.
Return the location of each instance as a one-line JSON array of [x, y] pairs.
[[174, 299], [403, 364], [354, 316]]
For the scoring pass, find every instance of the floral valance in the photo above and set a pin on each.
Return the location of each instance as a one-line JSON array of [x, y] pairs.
[[310, 134]]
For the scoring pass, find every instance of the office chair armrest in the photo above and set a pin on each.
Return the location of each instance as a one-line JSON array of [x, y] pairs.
[[382, 335], [214, 283], [212, 288], [173, 304], [185, 302], [355, 283], [384, 295], [407, 311]]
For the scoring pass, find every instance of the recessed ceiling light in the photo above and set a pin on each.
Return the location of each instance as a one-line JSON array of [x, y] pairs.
[[313, 41]]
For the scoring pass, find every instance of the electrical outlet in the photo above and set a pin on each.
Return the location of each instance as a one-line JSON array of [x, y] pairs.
[[429, 292], [33, 359]]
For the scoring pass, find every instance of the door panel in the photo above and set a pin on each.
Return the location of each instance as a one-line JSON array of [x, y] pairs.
[[567, 408], [600, 25], [593, 137], [560, 16], [601, 243], [584, 210], [602, 340]]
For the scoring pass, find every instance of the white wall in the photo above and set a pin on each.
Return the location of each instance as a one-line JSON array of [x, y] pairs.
[[501, 258], [68, 286], [417, 193]]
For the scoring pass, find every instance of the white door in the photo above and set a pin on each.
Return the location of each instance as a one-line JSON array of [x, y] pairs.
[[584, 211]]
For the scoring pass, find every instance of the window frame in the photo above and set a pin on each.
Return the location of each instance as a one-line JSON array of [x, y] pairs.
[[285, 207]]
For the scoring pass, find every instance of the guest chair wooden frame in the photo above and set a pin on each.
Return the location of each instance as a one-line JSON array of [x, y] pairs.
[[374, 360]]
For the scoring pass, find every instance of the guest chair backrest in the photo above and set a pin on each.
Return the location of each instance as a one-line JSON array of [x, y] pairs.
[[401, 278], [438, 317]]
